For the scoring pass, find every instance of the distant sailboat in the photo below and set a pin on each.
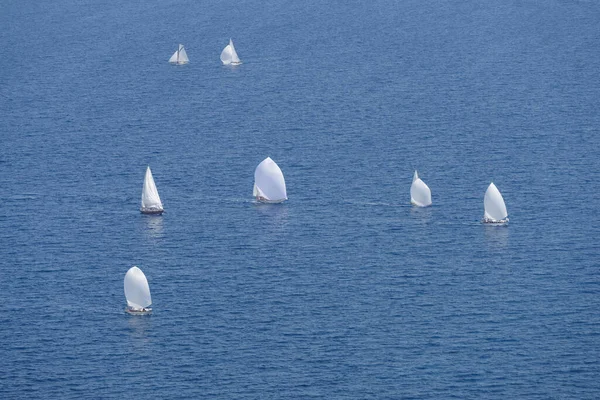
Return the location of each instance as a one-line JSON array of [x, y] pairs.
[[495, 209], [269, 184], [229, 55], [420, 194], [180, 56], [151, 203], [137, 292]]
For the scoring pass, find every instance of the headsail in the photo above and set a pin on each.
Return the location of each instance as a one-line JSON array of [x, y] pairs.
[[495, 208], [150, 199], [269, 183], [420, 194], [137, 291]]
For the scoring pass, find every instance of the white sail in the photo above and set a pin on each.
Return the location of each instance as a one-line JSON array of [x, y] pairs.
[[150, 199], [495, 209], [229, 55], [420, 194], [269, 183], [226, 55], [180, 56], [234, 57], [183, 58], [137, 291]]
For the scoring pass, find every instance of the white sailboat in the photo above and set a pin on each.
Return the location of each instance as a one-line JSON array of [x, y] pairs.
[[420, 194], [229, 55], [179, 57], [137, 292], [495, 209], [151, 203], [269, 184]]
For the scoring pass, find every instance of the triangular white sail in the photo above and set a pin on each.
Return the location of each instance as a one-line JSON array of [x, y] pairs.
[[180, 56], [183, 57], [269, 183], [495, 209], [420, 194], [137, 291], [151, 203], [229, 55]]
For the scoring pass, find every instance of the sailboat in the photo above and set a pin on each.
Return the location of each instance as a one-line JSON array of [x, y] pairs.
[[179, 57], [137, 292], [495, 209], [420, 194], [151, 203], [229, 55], [269, 184]]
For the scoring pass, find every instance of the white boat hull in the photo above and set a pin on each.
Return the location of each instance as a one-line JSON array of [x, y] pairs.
[[263, 200], [417, 204], [143, 311], [495, 222]]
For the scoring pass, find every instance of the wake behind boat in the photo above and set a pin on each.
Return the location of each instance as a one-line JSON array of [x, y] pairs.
[[495, 208], [269, 183], [179, 57], [137, 292], [151, 203], [229, 55]]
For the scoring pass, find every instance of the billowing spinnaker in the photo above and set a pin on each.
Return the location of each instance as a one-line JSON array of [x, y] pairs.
[[226, 55], [229, 55], [150, 197], [420, 194], [495, 209], [137, 291], [269, 182]]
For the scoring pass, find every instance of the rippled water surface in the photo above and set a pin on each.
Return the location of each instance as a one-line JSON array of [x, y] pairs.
[[344, 291]]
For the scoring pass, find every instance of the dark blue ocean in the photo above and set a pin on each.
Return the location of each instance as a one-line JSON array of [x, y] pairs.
[[345, 291]]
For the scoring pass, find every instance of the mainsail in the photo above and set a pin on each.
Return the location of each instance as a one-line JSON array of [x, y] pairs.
[[420, 194], [150, 199], [137, 291], [269, 183], [495, 209]]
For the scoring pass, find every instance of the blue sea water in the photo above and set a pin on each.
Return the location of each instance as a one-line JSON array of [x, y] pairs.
[[346, 290]]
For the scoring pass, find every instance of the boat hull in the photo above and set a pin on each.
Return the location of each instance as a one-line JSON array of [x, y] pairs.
[[152, 212], [144, 311], [265, 201], [416, 204], [495, 222]]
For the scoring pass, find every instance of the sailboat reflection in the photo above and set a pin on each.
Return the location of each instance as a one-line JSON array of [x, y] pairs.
[[153, 226], [496, 235]]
